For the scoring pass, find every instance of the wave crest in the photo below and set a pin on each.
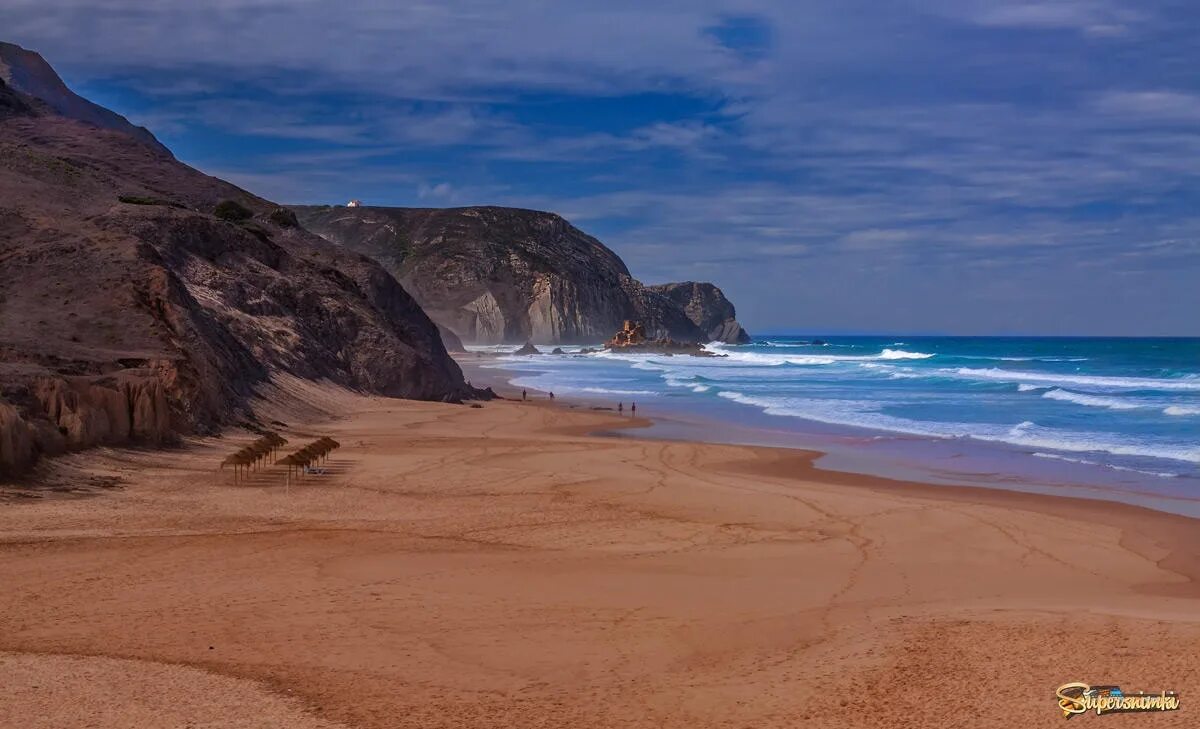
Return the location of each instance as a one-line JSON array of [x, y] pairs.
[[902, 354], [1119, 383], [1093, 401]]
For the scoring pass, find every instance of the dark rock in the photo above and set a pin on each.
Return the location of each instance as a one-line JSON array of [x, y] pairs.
[[12, 102], [632, 338], [450, 340], [557, 350], [707, 307], [527, 349]]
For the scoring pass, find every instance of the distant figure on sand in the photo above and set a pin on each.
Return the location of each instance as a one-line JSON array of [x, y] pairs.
[[633, 408], [524, 395], [552, 395], [620, 407]]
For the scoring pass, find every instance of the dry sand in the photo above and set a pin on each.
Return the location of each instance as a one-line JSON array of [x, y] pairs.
[[499, 567]]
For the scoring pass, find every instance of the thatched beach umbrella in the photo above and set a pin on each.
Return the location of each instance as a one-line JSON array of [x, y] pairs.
[[239, 461], [301, 459], [289, 462], [274, 441]]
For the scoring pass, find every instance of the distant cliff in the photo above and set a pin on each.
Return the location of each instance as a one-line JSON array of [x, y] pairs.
[[707, 307], [495, 275]]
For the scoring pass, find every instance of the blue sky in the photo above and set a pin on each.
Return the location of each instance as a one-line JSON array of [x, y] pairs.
[[942, 166]]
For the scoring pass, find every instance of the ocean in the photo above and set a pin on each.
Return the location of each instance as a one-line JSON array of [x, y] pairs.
[[1100, 417]]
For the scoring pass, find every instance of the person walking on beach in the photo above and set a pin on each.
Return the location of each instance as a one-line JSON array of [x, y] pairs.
[[551, 394], [633, 408], [524, 395], [620, 407]]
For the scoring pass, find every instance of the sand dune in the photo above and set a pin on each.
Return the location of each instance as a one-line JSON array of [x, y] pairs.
[[498, 567]]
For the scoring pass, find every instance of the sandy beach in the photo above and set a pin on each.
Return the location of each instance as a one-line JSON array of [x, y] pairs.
[[501, 566]]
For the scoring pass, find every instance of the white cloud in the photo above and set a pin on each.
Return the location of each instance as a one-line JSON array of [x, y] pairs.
[[1157, 105]]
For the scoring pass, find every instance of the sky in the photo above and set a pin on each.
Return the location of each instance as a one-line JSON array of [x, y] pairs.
[[879, 166]]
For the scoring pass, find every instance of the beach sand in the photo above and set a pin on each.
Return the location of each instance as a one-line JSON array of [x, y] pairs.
[[500, 567]]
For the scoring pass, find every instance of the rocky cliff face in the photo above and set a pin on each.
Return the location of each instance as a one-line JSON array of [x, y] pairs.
[[707, 307], [504, 275], [129, 312]]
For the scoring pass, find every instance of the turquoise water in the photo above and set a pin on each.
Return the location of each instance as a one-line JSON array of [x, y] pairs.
[[1122, 413]]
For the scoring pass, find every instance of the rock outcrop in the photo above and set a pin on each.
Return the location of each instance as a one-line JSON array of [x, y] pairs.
[[504, 275], [631, 338], [130, 313], [707, 307]]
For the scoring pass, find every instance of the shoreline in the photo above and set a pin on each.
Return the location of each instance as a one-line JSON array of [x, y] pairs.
[[501, 567], [845, 454]]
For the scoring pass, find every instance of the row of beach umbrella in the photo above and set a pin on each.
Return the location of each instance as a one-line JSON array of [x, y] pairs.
[[252, 455], [315, 452]]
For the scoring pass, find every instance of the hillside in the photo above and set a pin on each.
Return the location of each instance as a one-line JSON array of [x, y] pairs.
[[131, 313]]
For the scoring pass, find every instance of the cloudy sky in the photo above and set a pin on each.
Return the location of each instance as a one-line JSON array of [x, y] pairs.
[[914, 166]]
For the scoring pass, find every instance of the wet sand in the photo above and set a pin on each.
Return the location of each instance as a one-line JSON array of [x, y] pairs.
[[500, 567]]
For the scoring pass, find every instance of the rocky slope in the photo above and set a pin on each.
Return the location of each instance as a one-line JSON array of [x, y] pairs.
[[707, 307], [130, 313], [504, 275], [28, 73]]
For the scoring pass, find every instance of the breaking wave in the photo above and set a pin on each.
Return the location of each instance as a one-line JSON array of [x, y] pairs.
[[1120, 383], [1095, 401], [901, 354]]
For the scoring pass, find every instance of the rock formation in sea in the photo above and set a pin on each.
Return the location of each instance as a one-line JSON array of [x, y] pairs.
[[707, 307], [141, 299], [504, 275]]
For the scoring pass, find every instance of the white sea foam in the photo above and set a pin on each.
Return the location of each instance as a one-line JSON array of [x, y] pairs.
[[1181, 410], [1113, 466], [688, 381], [1122, 383], [616, 391], [732, 354], [1094, 401], [1032, 435], [1026, 387], [901, 354]]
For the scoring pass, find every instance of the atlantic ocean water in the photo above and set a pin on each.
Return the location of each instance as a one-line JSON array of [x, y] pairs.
[[1098, 417]]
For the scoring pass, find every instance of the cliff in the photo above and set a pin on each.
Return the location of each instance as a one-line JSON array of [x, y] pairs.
[[504, 275], [131, 313], [707, 307]]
